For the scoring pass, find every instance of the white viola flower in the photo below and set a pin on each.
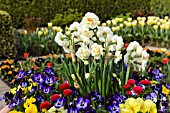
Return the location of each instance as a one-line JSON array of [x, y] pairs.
[[90, 20], [83, 52], [104, 33], [118, 57], [61, 39], [97, 50]]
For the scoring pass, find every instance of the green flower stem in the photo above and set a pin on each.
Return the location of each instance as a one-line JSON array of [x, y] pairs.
[[168, 71], [104, 82], [122, 78], [128, 73]]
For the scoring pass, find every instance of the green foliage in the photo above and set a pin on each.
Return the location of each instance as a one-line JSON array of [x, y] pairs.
[[67, 18], [160, 7], [7, 45]]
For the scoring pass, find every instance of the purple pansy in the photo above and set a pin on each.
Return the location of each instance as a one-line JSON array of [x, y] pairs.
[[49, 79], [152, 96], [113, 107], [38, 77], [157, 75], [46, 89], [24, 83], [21, 74], [59, 102], [82, 103], [15, 102], [49, 71]]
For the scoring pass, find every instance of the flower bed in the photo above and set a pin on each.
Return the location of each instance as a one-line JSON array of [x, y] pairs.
[[99, 73]]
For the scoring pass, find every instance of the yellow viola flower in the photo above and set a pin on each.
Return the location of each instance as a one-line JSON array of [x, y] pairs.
[[165, 90], [52, 110], [13, 111], [132, 105], [31, 109], [13, 90], [140, 102], [149, 107], [29, 101]]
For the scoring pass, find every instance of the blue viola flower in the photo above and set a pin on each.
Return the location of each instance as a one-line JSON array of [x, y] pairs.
[[24, 83], [72, 108], [46, 89], [90, 110], [39, 98], [59, 102], [15, 102], [33, 89], [113, 107], [49, 79], [164, 107], [82, 103], [96, 96], [151, 96], [21, 74], [157, 75], [38, 77], [118, 98], [157, 88], [30, 71], [163, 97], [49, 71]]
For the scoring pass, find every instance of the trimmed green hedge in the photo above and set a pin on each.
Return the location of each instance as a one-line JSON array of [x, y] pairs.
[[7, 42], [105, 9]]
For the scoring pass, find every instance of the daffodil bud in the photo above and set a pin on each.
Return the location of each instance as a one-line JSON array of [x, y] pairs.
[[54, 28], [68, 33], [98, 23]]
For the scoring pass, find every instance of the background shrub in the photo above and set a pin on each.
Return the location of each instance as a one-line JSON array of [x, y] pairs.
[[47, 10], [7, 47]]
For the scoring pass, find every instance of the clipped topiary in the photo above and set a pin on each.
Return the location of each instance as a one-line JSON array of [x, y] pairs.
[[7, 42]]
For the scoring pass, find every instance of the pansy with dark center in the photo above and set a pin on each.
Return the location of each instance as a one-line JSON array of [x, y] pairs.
[[113, 107], [24, 83], [72, 108], [157, 75], [118, 98], [49, 71], [46, 89], [90, 110], [33, 89], [59, 102], [38, 77], [164, 107], [49, 79], [21, 74], [82, 103], [163, 97], [96, 96], [157, 88], [39, 98], [15, 102], [151, 96]]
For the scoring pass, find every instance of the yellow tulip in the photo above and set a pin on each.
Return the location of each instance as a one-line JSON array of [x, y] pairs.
[[114, 22], [128, 24], [54, 28], [129, 19], [113, 28], [143, 18], [155, 27], [166, 27], [50, 24], [121, 25], [108, 22], [166, 17], [139, 18], [118, 28], [104, 24], [142, 23], [134, 23], [162, 26], [40, 33], [120, 19], [117, 20], [25, 32]]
